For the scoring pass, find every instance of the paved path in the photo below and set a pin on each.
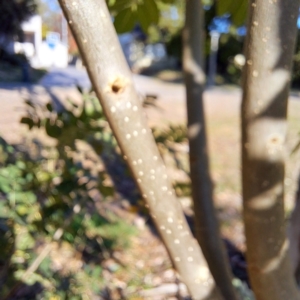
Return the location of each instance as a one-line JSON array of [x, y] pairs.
[[68, 77], [171, 96]]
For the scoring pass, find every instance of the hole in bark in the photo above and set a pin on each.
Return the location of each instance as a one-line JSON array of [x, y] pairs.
[[118, 86], [274, 140]]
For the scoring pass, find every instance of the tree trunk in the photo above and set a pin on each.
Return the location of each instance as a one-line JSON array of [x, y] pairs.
[[294, 235], [269, 49], [92, 28], [206, 223]]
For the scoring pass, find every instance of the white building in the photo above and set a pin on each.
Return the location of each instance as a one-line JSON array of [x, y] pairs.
[[41, 54], [32, 37]]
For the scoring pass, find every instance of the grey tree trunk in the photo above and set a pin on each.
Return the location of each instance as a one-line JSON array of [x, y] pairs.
[[206, 223], [293, 232], [269, 48], [96, 38]]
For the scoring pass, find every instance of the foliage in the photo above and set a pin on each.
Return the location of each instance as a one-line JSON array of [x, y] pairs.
[[51, 15], [49, 194], [230, 45], [13, 13], [296, 64], [147, 13], [127, 14], [165, 24], [170, 144], [236, 9]]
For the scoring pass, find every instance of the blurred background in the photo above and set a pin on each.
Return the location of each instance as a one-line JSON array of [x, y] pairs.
[[72, 222]]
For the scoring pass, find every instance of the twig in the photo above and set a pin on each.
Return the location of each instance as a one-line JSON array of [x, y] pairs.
[[36, 263]]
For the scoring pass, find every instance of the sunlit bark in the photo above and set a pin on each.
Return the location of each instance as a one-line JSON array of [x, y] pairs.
[[269, 49], [294, 235], [93, 30]]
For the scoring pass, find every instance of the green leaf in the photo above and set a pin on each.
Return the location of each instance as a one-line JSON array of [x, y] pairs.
[[45, 267], [168, 1], [148, 14], [4, 185], [106, 190], [97, 107], [237, 10], [43, 176], [67, 186], [22, 210], [120, 5], [27, 198], [239, 17], [79, 88], [28, 121], [49, 107], [226, 6], [21, 164], [29, 103], [52, 129], [125, 20], [89, 109], [25, 241]]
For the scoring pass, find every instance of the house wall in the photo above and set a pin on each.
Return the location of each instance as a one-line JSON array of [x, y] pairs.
[[45, 55], [34, 27]]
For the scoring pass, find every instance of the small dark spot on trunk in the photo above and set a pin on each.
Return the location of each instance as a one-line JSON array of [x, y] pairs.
[[118, 86], [115, 88]]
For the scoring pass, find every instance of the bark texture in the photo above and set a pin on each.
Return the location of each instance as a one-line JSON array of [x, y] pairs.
[[93, 30], [206, 223], [294, 235], [269, 48]]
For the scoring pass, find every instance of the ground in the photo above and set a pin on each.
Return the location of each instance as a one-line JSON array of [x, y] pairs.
[[222, 106]]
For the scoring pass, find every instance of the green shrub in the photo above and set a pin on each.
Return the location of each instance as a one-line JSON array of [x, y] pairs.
[[49, 196]]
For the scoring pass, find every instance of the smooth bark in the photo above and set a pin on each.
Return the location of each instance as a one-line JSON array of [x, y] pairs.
[[293, 233], [206, 223], [269, 49], [93, 30]]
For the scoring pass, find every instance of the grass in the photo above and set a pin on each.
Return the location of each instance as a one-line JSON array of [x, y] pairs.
[[224, 145], [224, 136], [293, 160]]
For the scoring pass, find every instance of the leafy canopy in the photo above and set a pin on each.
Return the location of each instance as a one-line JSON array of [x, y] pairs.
[[128, 13], [236, 9]]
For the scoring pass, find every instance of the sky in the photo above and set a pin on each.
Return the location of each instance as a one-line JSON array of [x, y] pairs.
[[52, 4]]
